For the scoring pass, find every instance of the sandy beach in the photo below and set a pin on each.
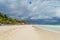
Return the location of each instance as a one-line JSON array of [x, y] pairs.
[[26, 32]]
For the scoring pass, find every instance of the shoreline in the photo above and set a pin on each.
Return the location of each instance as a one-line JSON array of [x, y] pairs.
[[37, 26], [32, 26], [46, 29], [26, 32]]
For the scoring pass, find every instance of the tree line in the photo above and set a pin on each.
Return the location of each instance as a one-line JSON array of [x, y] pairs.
[[4, 19]]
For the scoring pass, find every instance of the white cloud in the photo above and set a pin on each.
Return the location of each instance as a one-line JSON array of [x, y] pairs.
[[47, 10], [38, 9], [58, 12], [12, 5]]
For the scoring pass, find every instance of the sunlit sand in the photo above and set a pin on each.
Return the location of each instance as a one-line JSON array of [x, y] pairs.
[[26, 32]]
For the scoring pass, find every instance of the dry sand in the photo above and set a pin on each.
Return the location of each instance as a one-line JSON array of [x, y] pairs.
[[26, 32]]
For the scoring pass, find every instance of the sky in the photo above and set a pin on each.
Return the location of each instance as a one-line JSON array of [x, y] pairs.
[[32, 9]]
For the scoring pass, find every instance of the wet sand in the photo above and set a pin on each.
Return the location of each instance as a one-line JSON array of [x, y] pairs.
[[26, 32]]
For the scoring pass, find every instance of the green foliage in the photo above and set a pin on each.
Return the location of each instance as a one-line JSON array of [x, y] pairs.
[[4, 19]]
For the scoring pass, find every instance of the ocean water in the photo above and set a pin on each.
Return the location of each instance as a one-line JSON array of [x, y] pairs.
[[49, 27]]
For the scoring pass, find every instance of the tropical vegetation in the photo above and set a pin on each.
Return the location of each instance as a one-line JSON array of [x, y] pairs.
[[4, 19]]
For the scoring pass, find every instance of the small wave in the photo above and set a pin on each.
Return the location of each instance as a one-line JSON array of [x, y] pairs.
[[49, 27]]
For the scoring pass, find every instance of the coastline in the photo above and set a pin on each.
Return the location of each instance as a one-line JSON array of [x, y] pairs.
[[26, 32], [47, 29], [33, 25]]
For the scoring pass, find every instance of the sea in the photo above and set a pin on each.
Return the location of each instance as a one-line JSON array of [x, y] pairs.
[[54, 28]]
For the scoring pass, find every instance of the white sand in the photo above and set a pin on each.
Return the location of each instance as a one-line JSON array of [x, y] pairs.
[[26, 32]]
